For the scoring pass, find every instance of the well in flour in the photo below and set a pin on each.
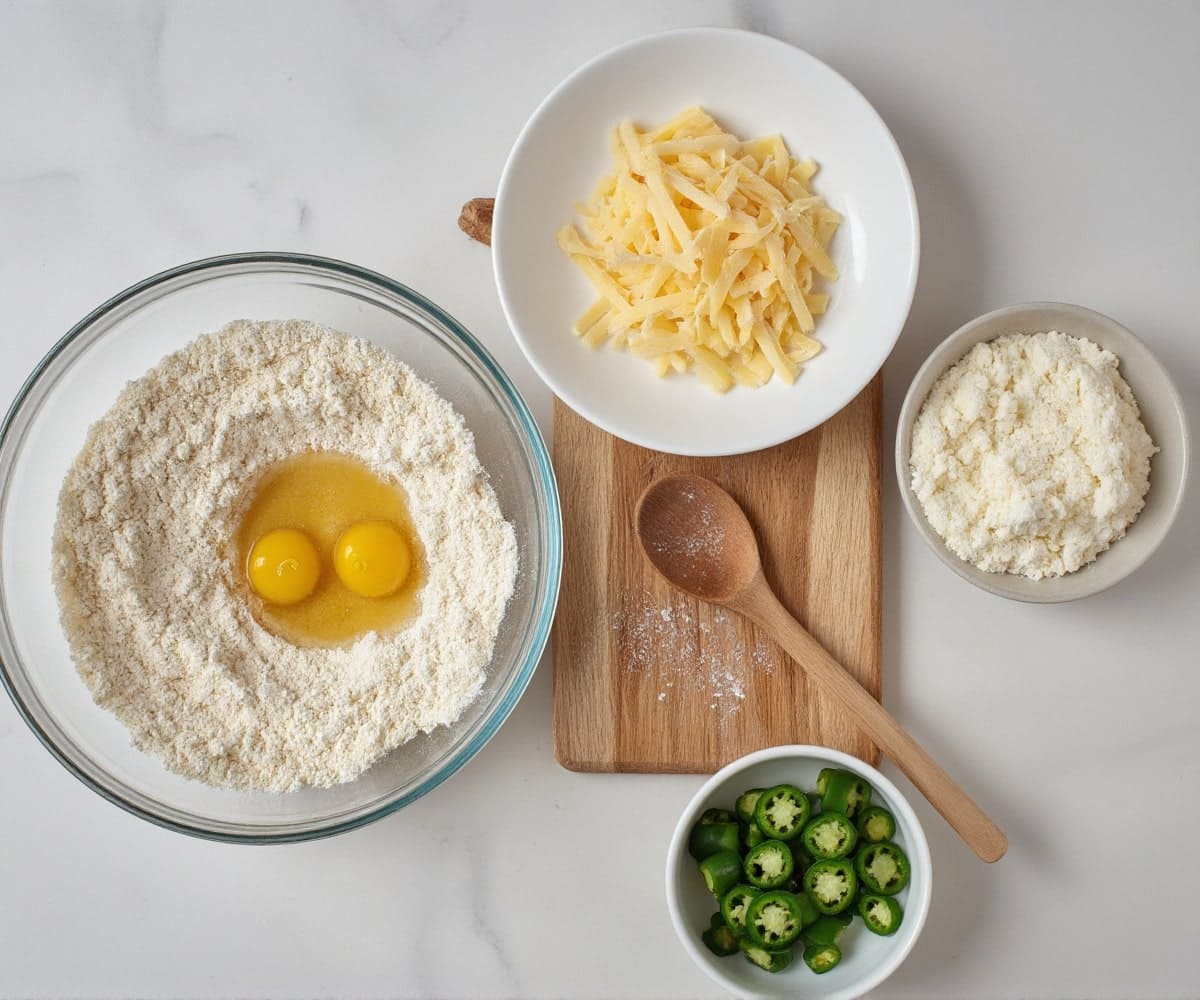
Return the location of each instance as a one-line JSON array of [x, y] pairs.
[[152, 605]]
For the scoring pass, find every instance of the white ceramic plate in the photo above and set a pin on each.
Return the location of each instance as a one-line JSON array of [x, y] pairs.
[[1162, 415], [754, 85], [867, 959]]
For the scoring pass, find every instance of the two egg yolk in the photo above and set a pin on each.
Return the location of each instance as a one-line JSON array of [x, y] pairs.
[[371, 558]]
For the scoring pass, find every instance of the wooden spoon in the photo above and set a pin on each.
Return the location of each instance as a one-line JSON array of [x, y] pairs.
[[698, 537]]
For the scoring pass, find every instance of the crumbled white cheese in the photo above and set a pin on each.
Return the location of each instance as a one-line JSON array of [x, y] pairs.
[[1029, 455]]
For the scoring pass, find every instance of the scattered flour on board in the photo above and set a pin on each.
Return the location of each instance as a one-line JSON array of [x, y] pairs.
[[700, 652]]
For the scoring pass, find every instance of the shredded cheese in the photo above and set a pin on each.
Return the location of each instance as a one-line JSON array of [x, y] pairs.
[[702, 249]]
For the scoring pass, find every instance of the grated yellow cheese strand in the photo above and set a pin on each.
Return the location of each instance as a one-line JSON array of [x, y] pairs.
[[651, 307], [701, 198], [765, 337], [597, 333], [596, 311], [602, 281]]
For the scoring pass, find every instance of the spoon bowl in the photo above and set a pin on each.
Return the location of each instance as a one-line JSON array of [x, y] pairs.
[[698, 537]]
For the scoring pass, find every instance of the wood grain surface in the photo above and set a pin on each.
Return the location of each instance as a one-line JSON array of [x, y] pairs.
[[648, 679]]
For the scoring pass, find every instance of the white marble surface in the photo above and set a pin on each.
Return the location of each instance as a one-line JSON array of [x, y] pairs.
[[1054, 151]]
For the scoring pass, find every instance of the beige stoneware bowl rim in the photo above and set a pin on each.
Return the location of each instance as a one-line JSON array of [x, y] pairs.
[[1031, 317]]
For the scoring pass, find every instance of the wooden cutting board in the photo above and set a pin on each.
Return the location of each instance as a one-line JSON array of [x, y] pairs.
[[648, 679]]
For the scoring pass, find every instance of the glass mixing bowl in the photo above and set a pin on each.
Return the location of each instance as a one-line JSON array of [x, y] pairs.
[[80, 379]]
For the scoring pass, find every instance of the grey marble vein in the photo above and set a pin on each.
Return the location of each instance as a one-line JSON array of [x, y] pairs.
[[419, 27], [43, 177], [753, 15]]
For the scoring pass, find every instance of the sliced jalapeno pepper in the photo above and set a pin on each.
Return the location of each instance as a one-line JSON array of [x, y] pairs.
[[883, 868], [771, 961], [782, 811], [745, 804], [809, 914], [734, 904], [832, 883], [721, 872], [824, 930], [876, 824], [802, 858], [829, 835], [769, 865], [716, 920], [711, 817], [752, 836], [720, 940], [822, 957], [774, 919], [842, 791], [708, 838], [881, 914]]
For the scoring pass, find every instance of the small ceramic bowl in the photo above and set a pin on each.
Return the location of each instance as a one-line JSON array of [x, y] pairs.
[[868, 959], [1162, 415]]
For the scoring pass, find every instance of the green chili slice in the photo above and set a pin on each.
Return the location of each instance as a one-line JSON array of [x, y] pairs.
[[752, 836], [876, 824], [711, 817], [809, 914], [832, 883], [746, 802], [774, 919], [842, 791], [720, 941], [708, 838], [883, 868], [822, 957], [881, 914], [782, 811], [824, 930], [771, 961], [734, 904], [802, 858], [721, 872], [769, 865], [829, 835]]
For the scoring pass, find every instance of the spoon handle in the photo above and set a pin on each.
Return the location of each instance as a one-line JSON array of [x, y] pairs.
[[956, 806]]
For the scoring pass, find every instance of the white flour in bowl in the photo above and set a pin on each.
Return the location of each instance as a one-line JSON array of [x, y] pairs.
[[1029, 455], [151, 600]]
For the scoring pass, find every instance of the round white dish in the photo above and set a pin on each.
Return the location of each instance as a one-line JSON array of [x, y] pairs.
[[1162, 415], [868, 959], [754, 85]]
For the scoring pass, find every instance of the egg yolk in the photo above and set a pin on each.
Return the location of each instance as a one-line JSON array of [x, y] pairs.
[[284, 566], [372, 558]]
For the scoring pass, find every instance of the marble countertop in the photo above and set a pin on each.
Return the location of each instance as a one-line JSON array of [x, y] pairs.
[[1053, 148]]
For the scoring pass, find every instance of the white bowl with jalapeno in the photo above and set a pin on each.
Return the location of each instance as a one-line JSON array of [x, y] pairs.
[[798, 871]]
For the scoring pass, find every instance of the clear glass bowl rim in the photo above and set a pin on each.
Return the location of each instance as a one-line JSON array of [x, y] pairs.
[[543, 467]]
